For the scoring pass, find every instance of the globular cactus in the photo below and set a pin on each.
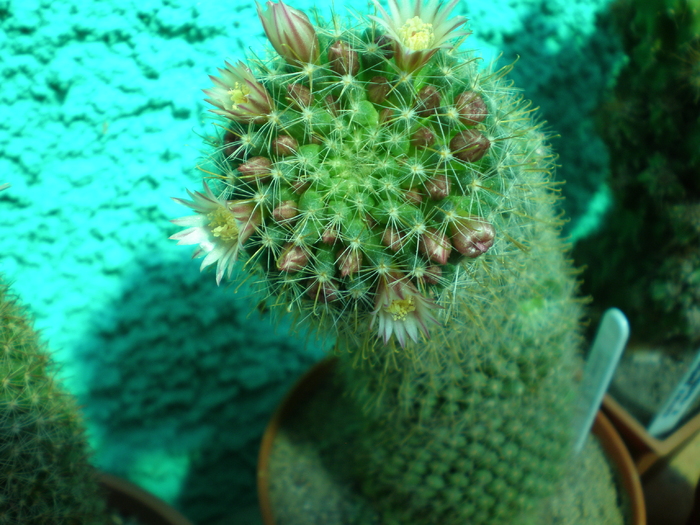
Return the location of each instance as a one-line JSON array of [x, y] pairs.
[[381, 184], [45, 474]]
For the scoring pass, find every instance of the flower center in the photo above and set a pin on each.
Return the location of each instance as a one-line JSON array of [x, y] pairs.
[[239, 94], [223, 225], [400, 308], [416, 34]]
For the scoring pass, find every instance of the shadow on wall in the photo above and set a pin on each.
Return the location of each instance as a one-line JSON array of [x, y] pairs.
[[182, 379]]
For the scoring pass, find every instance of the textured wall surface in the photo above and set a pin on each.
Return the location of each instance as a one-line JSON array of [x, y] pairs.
[[101, 115]]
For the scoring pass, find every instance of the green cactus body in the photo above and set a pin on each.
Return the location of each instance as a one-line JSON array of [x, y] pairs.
[[45, 476], [382, 185]]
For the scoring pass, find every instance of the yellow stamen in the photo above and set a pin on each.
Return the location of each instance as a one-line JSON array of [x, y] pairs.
[[223, 225], [400, 308], [239, 94], [416, 34]]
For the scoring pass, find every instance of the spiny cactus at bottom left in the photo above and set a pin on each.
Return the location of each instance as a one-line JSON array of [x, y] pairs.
[[45, 474]]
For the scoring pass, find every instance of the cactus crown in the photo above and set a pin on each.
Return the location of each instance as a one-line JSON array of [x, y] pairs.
[[362, 171]]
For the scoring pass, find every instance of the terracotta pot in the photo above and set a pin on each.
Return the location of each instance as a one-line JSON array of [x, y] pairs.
[[646, 449], [307, 385], [129, 500]]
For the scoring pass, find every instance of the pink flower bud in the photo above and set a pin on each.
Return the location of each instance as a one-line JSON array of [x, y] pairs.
[[413, 196], [385, 46], [343, 59], [432, 274], [290, 32], [349, 261], [232, 145], [469, 145], [285, 211], [248, 217], [435, 246], [428, 101], [471, 107], [393, 239], [377, 89], [284, 145], [292, 259], [438, 187], [472, 236], [385, 116], [330, 235], [256, 168], [300, 95], [332, 105], [423, 138], [324, 291]]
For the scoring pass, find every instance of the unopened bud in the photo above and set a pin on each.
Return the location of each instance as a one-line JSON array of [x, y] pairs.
[[300, 95], [435, 246], [385, 46], [472, 236], [256, 168], [438, 187], [471, 107], [377, 89], [285, 211], [349, 261], [393, 239], [428, 101], [343, 59], [330, 235], [284, 145], [332, 105], [324, 291], [385, 116], [423, 138], [469, 145], [413, 196], [432, 274], [292, 259]]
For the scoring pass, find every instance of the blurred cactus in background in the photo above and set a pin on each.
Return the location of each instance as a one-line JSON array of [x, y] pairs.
[[646, 257], [376, 182], [45, 474]]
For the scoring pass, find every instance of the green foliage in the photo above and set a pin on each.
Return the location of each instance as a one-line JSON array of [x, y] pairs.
[[644, 259], [45, 476]]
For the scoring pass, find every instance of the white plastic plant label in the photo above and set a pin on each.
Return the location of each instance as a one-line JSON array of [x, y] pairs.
[[678, 402], [610, 341]]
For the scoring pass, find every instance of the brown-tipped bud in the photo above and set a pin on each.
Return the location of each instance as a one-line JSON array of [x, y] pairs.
[[343, 59], [385, 116], [423, 138], [292, 259], [285, 211], [332, 104], [377, 89], [299, 186], [472, 236], [428, 101], [469, 145], [300, 95], [232, 145], [438, 187], [284, 145], [256, 168], [435, 246], [414, 196], [330, 235], [393, 239], [471, 107], [324, 291], [385, 45], [349, 262], [432, 274]]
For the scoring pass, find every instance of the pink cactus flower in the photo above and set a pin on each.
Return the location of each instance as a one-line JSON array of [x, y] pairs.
[[419, 29], [220, 228], [401, 309], [239, 96], [290, 32]]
